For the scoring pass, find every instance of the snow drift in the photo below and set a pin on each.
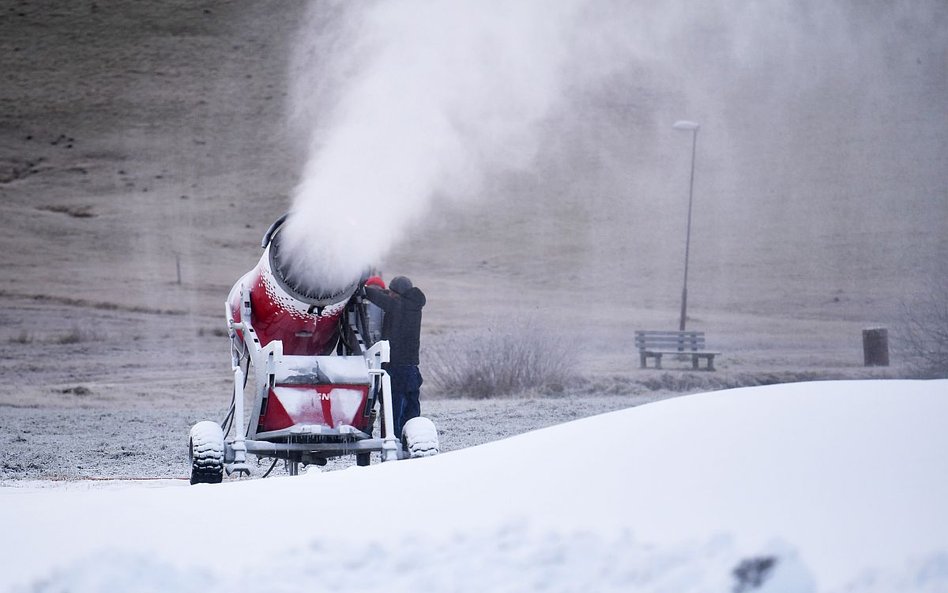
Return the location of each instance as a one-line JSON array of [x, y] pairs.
[[802, 487]]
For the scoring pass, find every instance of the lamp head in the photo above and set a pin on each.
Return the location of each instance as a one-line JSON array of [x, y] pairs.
[[685, 125]]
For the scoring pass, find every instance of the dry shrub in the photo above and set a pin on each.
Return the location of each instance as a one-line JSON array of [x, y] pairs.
[[217, 332], [24, 337], [77, 335], [73, 211], [504, 359], [681, 382], [691, 381], [925, 327]]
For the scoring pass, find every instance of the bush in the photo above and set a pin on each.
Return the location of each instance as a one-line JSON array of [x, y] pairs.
[[217, 332], [925, 325], [504, 359], [77, 335], [24, 337], [689, 381]]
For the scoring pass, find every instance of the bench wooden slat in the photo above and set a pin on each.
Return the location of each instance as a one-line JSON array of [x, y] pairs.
[[669, 341], [688, 352], [657, 343]]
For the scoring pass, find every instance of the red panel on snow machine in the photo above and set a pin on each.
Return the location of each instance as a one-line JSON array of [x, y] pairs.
[[302, 332], [305, 330], [328, 405]]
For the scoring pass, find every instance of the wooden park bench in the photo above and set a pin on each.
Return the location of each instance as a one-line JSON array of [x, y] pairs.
[[655, 344]]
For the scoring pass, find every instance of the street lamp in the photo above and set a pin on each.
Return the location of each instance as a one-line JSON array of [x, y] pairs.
[[688, 126]]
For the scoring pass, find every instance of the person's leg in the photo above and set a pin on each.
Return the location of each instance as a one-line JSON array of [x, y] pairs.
[[396, 375], [411, 404], [406, 386], [405, 383]]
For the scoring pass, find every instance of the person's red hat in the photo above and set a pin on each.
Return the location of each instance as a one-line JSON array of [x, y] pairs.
[[375, 281]]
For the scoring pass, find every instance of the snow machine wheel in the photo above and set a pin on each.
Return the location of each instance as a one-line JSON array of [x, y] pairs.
[[421, 437], [207, 453], [363, 459]]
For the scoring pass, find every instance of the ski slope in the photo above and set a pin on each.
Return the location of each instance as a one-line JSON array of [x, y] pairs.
[[842, 484]]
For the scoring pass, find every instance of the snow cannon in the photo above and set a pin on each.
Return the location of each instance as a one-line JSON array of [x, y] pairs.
[[289, 306], [318, 384]]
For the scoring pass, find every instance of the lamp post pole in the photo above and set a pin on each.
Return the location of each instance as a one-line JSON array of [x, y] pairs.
[[693, 128]]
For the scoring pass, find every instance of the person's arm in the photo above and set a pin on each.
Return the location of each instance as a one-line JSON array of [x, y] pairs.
[[380, 297]]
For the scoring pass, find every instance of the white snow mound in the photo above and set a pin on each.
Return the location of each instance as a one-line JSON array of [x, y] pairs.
[[829, 486]]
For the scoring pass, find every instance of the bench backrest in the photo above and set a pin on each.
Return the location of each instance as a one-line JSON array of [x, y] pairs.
[[669, 340]]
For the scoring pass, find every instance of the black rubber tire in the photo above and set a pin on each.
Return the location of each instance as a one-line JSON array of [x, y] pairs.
[[363, 459], [206, 446]]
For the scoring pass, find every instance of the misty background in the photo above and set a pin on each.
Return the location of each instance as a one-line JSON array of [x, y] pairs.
[[511, 159], [820, 170]]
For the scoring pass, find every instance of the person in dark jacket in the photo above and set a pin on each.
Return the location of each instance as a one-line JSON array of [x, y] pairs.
[[401, 326]]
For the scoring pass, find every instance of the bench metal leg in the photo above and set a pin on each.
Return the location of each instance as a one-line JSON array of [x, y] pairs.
[[695, 360]]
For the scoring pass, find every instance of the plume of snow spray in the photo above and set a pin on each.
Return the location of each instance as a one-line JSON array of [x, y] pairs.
[[407, 100]]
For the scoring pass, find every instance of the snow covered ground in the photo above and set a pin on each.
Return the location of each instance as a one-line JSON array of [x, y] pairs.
[[830, 486]]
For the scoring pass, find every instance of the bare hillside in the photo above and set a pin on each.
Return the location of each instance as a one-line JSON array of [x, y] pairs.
[[146, 146]]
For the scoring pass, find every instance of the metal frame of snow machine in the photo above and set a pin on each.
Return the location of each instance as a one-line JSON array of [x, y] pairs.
[[356, 369]]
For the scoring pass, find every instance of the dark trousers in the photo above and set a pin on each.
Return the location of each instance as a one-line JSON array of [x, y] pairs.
[[406, 384]]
